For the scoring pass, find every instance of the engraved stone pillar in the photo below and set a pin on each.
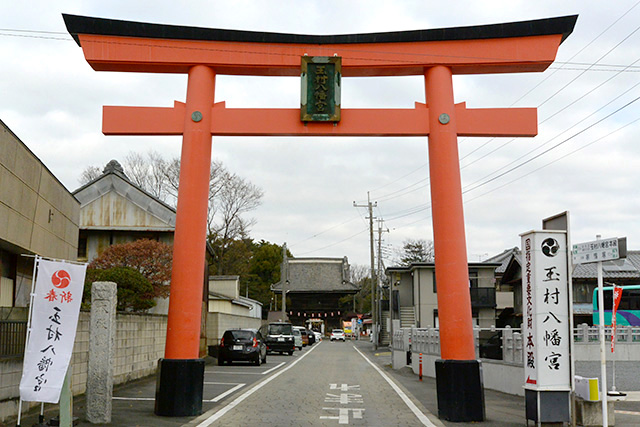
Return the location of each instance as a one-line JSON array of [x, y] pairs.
[[102, 334]]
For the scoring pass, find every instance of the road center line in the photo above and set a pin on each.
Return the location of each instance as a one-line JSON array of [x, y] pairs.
[[422, 417], [249, 392]]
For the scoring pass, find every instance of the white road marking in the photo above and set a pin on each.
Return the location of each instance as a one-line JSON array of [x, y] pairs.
[[249, 392], [215, 383], [246, 373], [215, 399], [234, 373], [344, 387], [422, 417], [274, 368], [133, 398], [343, 414], [226, 393], [344, 398]]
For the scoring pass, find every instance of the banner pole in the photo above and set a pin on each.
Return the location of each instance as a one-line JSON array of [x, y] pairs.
[[26, 341], [603, 357]]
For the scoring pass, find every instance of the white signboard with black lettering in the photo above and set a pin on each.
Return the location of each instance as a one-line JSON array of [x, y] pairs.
[[545, 308]]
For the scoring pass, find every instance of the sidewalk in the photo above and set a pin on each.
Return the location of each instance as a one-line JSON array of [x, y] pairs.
[[501, 409]]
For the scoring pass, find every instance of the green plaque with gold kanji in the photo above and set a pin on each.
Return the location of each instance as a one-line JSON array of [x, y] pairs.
[[320, 89]]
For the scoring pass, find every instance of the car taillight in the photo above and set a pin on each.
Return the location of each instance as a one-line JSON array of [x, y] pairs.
[[255, 342]]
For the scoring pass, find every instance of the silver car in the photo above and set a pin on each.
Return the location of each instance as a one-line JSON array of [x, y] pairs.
[[297, 338], [337, 334]]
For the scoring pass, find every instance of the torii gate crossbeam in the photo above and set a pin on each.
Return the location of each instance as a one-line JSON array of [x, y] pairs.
[[202, 53]]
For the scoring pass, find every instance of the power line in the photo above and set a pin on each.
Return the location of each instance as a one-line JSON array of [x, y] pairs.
[[555, 160], [15, 30], [325, 230], [553, 147], [537, 169], [550, 97], [336, 243], [552, 139]]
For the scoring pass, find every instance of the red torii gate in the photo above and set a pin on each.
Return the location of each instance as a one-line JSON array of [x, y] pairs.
[[111, 45]]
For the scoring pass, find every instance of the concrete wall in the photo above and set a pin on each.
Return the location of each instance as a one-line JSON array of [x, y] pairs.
[[140, 343], [227, 307], [426, 299], [37, 213], [217, 323], [225, 285]]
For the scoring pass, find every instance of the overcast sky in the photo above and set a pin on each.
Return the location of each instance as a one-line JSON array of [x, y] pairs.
[[588, 121]]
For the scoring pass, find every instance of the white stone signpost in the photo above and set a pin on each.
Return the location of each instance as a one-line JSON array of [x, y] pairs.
[[546, 325]]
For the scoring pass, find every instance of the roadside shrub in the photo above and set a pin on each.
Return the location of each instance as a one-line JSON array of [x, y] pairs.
[[135, 292], [151, 258]]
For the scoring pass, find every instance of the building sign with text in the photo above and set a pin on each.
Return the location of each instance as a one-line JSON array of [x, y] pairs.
[[545, 305], [320, 88]]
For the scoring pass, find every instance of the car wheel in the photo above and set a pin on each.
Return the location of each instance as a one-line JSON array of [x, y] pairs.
[[291, 353]]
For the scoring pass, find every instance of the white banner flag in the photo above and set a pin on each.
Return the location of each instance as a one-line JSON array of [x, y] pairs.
[[54, 319]]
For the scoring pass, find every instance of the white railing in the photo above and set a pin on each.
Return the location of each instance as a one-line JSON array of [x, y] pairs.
[[427, 340], [624, 334]]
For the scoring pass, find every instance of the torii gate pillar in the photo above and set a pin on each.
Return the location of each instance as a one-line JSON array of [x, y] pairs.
[[458, 373], [202, 53]]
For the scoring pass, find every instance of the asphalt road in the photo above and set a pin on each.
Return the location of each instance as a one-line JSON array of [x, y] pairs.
[[328, 384], [333, 383]]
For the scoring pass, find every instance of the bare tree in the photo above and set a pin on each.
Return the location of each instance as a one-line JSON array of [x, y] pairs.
[[89, 174], [230, 196], [235, 197], [415, 250]]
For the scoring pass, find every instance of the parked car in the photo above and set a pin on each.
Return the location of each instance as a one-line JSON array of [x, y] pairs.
[[491, 347], [312, 337], [297, 338], [242, 345], [337, 334], [279, 337], [303, 334]]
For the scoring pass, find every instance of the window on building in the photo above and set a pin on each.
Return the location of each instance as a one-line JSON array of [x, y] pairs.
[[582, 292], [433, 277], [473, 278], [82, 247]]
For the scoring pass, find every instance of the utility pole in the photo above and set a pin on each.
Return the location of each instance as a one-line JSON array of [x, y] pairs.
[[370, 206], [379, 275], [284, 279]]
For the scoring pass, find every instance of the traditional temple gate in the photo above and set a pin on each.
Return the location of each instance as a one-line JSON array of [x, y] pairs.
[[529, 46]]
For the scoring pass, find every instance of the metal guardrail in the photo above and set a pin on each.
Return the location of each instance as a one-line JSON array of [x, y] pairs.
[[13, 335]]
